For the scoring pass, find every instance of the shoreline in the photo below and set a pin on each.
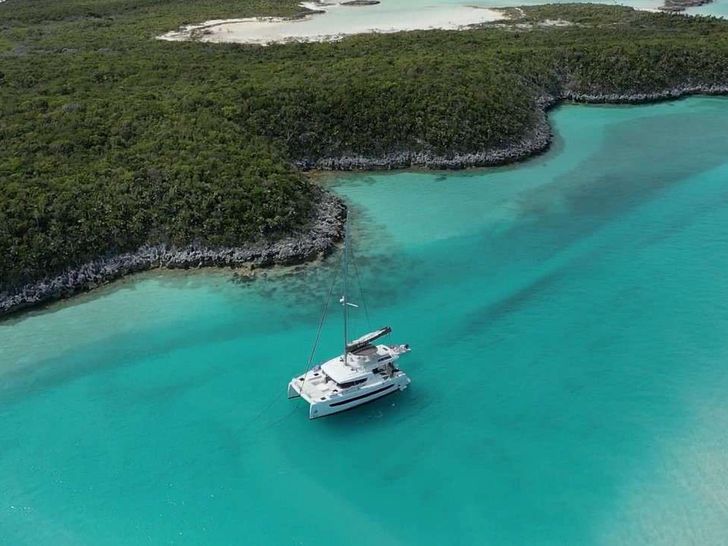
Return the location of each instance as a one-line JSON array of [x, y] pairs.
[[537, 141], [313, 24], [326, 226], [303, 27], [325, 230], [679, 6]]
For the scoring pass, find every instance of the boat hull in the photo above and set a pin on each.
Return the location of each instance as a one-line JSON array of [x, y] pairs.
[[337, 405], [293, 391]]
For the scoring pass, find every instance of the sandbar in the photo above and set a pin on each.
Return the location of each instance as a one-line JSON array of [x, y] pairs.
[[333, 21]]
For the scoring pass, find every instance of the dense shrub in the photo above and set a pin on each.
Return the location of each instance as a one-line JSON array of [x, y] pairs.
[[110, 139]]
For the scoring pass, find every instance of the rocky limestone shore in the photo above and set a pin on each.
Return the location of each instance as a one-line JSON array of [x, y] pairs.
[[535, 142], [678, 6], [361, 3], [639, 98], [324, 230]]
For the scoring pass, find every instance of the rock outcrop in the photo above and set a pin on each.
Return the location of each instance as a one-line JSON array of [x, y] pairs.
[[323, 230], [678, 6], [536, 141]]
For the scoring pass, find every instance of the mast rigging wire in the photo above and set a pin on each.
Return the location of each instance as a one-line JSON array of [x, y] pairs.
[[327, 301], [361, 288], [325, 306]]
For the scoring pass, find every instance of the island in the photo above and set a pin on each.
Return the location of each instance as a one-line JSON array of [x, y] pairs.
[[122, 152], [678, 6]]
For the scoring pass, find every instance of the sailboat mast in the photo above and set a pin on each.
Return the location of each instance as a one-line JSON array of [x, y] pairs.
[[346, 281]]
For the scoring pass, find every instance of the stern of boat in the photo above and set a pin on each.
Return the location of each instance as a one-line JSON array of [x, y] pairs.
[[294, 389]]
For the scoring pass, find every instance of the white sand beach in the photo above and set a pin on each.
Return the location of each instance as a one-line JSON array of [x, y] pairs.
[[336, 21]]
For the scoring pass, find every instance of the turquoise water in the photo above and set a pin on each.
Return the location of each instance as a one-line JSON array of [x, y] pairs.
[[394, 9], [569, 365], [419, 4], [718, 8]]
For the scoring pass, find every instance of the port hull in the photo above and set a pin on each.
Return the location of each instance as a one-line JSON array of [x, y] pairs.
[[316, 411], [293, 391], [351, 400]]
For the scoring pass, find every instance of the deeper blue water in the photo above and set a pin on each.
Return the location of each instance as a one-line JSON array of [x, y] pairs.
[[569, 328]]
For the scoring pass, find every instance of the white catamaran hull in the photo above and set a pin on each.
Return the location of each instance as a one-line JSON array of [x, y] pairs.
[[322, 408]]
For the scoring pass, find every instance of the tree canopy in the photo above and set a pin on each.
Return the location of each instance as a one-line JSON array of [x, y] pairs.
[[112, 139]]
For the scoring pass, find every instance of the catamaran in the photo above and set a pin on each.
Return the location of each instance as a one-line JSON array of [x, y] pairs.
[[364, 372]]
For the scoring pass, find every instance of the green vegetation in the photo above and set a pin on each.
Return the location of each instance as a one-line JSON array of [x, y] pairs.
[[111, 139]]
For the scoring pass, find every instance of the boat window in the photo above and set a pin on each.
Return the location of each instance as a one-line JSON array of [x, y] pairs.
[[352, 383]]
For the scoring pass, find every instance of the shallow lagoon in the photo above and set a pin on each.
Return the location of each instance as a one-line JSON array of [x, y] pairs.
[[340, 19], [570, 340], [718, 7]]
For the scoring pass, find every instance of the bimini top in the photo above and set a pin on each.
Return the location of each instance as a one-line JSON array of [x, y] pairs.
[[367, 339]]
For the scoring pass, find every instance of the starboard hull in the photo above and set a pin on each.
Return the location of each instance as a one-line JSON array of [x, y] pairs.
[[332, 406]]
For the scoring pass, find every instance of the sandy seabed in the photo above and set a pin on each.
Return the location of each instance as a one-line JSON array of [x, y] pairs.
[[334, 21]]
